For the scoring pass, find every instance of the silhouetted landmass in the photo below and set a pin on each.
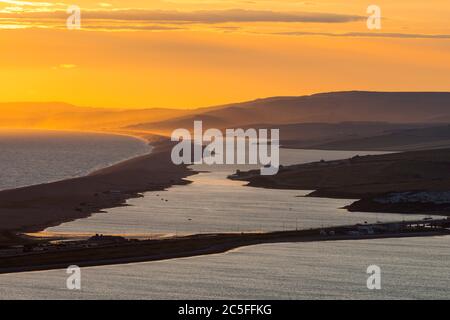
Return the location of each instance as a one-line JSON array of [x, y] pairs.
[[409, 182], [342, 120], [355, 106], [396, 140], [104, 250], [353, 120], [350, 135]]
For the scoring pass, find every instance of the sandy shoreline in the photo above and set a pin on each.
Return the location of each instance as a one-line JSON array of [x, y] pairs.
[[35, 208]]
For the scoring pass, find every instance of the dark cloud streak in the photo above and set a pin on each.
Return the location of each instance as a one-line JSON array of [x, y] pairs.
[[201, 16], [367, 34]]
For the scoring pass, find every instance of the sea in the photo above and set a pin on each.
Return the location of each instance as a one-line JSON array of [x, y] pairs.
[[413, 268], [29, 157]]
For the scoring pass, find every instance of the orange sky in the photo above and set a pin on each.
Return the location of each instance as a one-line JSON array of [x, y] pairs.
[[192, 53]]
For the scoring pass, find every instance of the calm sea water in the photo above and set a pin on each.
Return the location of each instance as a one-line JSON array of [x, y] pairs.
[[33, 157], [213, 203], [416, 268]]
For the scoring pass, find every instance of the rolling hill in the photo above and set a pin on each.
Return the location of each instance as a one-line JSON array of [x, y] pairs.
[[57, 115], [326, 121], [352, 106]]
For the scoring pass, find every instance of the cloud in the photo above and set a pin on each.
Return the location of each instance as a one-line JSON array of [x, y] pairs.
[[27, 3], [200, 16], [221, 16], [110, 19], [65, 66], [367, 34], [131, 28]]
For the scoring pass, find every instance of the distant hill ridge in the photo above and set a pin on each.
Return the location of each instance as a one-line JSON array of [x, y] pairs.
[[335, 107]]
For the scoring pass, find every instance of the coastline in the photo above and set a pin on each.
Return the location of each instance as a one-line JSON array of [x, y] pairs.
[[417, 181], [35, 208], [134, 251], [145, 141]]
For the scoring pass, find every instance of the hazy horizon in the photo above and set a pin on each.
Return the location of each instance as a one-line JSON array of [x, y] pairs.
[[224, 103], [187, 54]]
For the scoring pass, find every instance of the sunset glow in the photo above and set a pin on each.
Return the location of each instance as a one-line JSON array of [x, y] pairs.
[[187, 54]]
